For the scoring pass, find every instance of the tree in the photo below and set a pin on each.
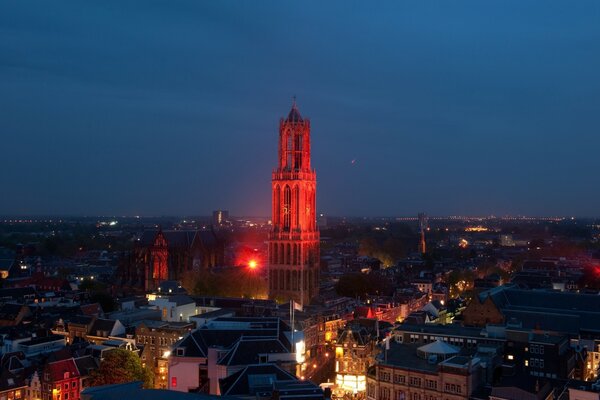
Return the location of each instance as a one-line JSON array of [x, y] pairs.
[[121, 366], [107, 302], [361, 285]]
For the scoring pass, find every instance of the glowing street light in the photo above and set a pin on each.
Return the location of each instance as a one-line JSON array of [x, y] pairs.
[[252, 264]]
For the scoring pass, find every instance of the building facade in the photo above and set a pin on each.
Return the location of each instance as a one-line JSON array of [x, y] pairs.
[[157, 339], [430, 372], [294, 238], [354, 354]]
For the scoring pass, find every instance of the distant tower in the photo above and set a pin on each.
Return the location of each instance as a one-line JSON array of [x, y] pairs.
[[294, 238], [159, 253], [422, 229], [220, 217]]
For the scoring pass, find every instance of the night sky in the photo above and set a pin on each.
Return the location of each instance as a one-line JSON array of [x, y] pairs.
[[172, 107]]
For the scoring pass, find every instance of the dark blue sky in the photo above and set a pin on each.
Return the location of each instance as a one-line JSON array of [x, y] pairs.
[[161, 107]]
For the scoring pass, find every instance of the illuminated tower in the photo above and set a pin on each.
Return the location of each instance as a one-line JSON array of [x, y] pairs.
[[422, 229], [159, 253], [294, 238]]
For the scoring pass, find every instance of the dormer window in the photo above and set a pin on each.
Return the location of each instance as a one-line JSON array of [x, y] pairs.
[[181, 351]]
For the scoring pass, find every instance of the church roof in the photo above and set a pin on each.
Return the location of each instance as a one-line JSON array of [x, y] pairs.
[[180, 239], [294, 114]]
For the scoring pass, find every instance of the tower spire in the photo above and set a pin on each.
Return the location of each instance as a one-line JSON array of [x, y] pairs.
[[294, 114]]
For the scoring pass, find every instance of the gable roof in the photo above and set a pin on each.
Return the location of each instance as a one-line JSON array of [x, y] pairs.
[[9, 381], [102, 325], [197, 342], [248, 350], [58, 369], [85, 365]]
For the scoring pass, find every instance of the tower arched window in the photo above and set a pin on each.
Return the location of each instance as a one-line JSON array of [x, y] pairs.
[[296, 205], [288, 150], [287, 207], [298, 152], [277, 202]]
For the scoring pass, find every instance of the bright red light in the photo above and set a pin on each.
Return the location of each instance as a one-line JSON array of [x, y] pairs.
[[252, 264]]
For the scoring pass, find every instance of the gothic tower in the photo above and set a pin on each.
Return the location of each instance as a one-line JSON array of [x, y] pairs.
[[294, 238]]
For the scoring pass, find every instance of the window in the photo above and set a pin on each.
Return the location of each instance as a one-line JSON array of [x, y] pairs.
[[431, 384], [385, 393], [384, 376], [399, 379], [67, 386], [415, 381], [74, 384], [371, 390], [400, 395], [452, 388]]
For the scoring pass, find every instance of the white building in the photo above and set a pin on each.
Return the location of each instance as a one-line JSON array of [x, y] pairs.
[[175, 308]]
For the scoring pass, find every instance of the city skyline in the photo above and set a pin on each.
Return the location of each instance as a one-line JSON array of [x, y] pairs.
[[466, 109]]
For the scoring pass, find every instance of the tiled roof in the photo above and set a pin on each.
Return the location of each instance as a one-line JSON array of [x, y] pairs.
[[58, 369]]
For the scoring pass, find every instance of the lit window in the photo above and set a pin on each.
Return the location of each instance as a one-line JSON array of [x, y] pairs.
[[511, 357]]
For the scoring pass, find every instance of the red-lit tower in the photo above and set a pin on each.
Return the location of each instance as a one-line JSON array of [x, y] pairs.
[[294, 237], [159, 253]]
